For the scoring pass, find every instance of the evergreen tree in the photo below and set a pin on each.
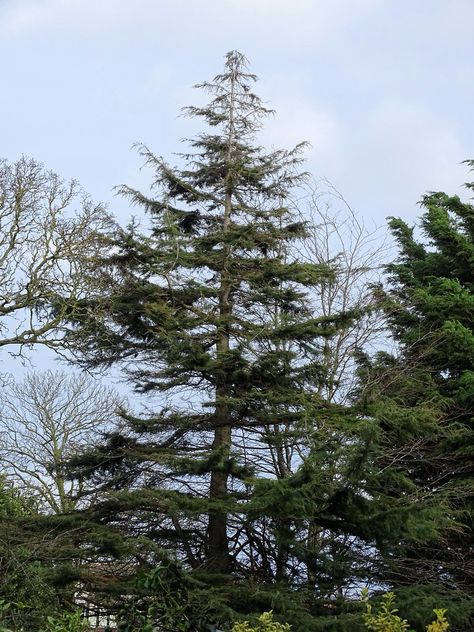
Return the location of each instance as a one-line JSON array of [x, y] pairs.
[[245, 472], [207, 304], [425, 395]]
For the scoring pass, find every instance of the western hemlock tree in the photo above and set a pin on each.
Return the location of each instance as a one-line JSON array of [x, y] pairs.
[[245, 471]]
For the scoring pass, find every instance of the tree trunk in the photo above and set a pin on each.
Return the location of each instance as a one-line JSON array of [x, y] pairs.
[[218, 552], [218, 545]]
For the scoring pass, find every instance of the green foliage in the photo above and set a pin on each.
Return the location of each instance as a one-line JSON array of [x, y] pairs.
[[252, 476], [440, 624], [4, 607], [169, 598], [264, 623], [66, 622], [423, 400], [386, 619], [417, 603], [11, 503], [24, 580]]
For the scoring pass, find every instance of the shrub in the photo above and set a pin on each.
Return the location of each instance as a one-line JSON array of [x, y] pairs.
[[66, 622], [387, 619], [440, 624], [264, 623], [4, 606]]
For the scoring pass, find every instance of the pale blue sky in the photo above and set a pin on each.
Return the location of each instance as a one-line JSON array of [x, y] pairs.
[[382, 89]]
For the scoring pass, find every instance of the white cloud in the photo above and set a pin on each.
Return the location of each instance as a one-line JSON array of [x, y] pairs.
[[277, 23], [394, 155], [299, 120], [26, 16], [415, 140], [382, 90]]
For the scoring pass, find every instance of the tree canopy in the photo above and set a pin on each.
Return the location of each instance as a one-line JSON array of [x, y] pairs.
[[429, 306], [269, 460], [51, 233]]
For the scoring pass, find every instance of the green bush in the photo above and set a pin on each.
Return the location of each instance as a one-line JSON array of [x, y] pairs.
[[416, 603], [4, 607], [386, 618], [440, 624], [264, 623], [66, 622]]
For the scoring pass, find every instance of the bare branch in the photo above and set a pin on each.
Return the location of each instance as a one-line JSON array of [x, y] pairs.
[[51, 234], [43, 421]]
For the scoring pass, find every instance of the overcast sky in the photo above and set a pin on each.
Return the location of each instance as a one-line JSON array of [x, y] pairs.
[[382, 89]]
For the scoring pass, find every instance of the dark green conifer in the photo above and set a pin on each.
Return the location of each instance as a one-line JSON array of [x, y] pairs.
[[425, 395], [244, 472]]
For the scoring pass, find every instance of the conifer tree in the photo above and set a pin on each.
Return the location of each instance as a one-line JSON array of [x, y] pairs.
[[207, 304], [426, 392], [244, 472]]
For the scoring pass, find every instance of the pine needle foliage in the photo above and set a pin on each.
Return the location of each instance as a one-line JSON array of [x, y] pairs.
[[265, 493], [424, 396]]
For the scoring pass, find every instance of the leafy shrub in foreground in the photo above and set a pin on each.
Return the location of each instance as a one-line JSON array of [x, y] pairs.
[[66, 622], [387, 619], [265, 623]]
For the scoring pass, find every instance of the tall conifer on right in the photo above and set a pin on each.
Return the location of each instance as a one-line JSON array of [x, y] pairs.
[[425, 395]]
